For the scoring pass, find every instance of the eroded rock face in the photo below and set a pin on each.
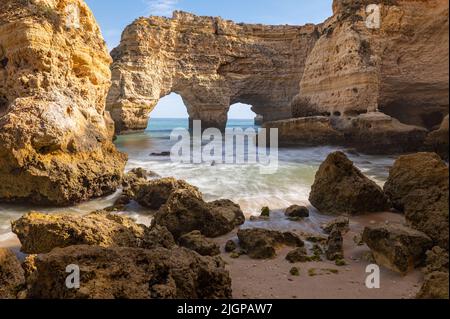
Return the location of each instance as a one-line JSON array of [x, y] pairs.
[[341, 188], [185, 212], [212, 63], [418, 184], [56, 138], [11, 275], [197, 242], [41, 233], [435, 286], [397, 247], [438, 140], [130, 273]]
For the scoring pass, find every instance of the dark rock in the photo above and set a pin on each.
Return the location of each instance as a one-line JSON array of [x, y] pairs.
[[435, 286], [341, 188], [197, 242], [437, 260], [157, 236], [265, 212], [262, 243], [296, 211], [130, 273], [185, 212], [397, 247], [294, 271], [154, 194], [418, 184], [298, 255], [12, 278], [335, 246], [342, 224], [230, 246]]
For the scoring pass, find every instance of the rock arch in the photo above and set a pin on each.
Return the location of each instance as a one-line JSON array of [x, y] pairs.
[[212, 63]]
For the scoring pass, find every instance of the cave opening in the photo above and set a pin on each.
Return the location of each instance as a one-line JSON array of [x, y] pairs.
[[169, 113], [241, 115]]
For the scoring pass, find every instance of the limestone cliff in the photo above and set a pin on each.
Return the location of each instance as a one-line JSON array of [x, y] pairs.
[[55, 136], [212, 63]]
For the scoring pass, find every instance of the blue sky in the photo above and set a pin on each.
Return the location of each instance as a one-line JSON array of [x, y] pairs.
[[114, 15]]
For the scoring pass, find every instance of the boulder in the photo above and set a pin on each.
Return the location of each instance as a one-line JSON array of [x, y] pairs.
[[197, 242], [418, 184], [341, 188], [335, 246], [154, 194], [397, 247], [435, 286], [437, 260], [230, 246], [157, 236], [262, 243], [12, 278], [40, 233], [129, 273], [185, 212], [342, 224], [296, 211], [298, 255]]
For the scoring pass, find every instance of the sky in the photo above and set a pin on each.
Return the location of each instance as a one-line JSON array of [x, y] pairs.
[[114, 15]]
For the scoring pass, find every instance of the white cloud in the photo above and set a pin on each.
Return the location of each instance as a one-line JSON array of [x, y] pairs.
[[161, 7]]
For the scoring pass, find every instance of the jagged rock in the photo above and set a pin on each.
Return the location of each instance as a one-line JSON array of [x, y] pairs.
[[438, 140], [418, 184], [397, 247], [335, 245], [342, 224], [256, 64], [296, 211], [230, 246], [437, 260], [56, 137], [298, 255], [262, 243], [12, 277], [40, 233], [341, 188], [130, 273], [435, 286], [197, 242], [185, 211], [157, 236], [154, 194]]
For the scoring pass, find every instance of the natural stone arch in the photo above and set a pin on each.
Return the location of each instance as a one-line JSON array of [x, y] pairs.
[[212, 63]]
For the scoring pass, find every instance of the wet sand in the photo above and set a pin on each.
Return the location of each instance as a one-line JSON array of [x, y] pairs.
[[270, 279]]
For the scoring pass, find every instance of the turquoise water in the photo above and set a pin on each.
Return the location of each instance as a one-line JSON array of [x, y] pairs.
[[244, 184]]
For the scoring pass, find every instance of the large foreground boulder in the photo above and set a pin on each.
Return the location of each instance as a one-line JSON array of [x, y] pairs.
[[261, 243], [185, 212], [56, 137], [11, 275], [397, 247], [341, 188], [418, 184], [129, 273], [41, 233]]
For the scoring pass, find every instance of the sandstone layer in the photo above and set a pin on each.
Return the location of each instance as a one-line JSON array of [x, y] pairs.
[[212, 63], [56, 138]]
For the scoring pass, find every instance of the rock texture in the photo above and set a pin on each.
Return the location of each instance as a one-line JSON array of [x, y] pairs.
[[56, 138], [418, 184], [438, 140], [12, 277], [185, 212], [435, 286], [212, 63], [355, 72], [261, 243], [341, 188], [41, 233], [197, 242], [397, 247], [129, 273]]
